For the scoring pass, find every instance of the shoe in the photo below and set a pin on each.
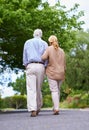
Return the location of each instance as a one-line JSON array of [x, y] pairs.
[[33, 113], [56, 112], [37, 112]]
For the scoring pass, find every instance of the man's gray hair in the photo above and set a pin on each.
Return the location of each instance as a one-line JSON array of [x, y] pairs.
[[37, 33]]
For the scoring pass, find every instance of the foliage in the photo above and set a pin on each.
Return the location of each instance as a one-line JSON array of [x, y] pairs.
[[47, 101], [19, 102], [65, 90], [16, 102], [1, 102], [19, 85], [18, 19], [78, 65], [77, 99], [6, 102]]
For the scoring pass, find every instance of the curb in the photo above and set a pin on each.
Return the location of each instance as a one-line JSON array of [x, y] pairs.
[[42, 109], [19, 111]]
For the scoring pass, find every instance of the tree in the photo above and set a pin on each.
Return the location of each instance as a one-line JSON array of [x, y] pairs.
[[14, 27], [19, 85], [18, 19], [77, 73]]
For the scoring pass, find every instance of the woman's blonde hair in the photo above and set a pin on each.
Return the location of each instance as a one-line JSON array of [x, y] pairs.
[[53, 41]]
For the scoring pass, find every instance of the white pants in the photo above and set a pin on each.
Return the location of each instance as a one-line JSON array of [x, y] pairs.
[[34, 79], [55, 92]]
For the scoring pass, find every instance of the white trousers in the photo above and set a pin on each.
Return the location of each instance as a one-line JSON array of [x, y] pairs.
[[34, 79], [55, 92]]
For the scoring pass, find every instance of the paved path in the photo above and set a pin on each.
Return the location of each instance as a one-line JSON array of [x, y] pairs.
[[67, 120]]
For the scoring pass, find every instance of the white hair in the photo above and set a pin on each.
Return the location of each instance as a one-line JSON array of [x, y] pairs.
[[37, 33]]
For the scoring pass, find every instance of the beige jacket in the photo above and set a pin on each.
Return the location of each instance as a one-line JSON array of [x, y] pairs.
[[56, 63]]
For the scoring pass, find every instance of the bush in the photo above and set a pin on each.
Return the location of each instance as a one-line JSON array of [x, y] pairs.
[[19, 101], [1, 103], [77, 99], [64, 91], [16, 101], [6, 102], [47, 101]]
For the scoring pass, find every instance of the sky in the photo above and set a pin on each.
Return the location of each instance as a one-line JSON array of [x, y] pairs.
[[84, 6], [8, 76]]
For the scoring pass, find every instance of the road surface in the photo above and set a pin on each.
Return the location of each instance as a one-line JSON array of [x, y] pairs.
[[68, 119]]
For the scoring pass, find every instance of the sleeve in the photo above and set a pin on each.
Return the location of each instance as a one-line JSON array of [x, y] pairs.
[[45, 55], [24, 56]]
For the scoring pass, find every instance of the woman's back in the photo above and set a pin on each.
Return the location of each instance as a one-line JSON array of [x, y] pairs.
[[56, 63]]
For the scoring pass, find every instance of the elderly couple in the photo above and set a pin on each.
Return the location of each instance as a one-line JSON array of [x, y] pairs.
[[40, 59]]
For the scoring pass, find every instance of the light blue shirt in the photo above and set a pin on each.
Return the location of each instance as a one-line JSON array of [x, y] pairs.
[[33, 50]]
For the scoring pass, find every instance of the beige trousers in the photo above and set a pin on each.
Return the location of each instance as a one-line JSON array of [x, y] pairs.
[[34, 79], [55, 92]]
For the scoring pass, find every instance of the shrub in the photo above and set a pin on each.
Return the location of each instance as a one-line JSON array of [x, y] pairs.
[[76, 100], [6, 102], [19, 101], [1, 103], [16, 101], [47, 101]]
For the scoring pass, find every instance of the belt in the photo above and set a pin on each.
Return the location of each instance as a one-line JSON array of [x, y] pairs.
[[37, 62]]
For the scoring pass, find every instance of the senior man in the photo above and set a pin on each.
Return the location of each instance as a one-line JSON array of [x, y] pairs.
[[35, 70]]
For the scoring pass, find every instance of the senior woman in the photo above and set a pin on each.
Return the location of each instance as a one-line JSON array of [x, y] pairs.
[[55, 70]]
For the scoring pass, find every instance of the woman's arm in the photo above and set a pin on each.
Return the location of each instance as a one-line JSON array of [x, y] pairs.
[[45, 55]]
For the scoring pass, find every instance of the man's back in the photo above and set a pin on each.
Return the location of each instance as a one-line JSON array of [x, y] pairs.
[[33, 49]]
